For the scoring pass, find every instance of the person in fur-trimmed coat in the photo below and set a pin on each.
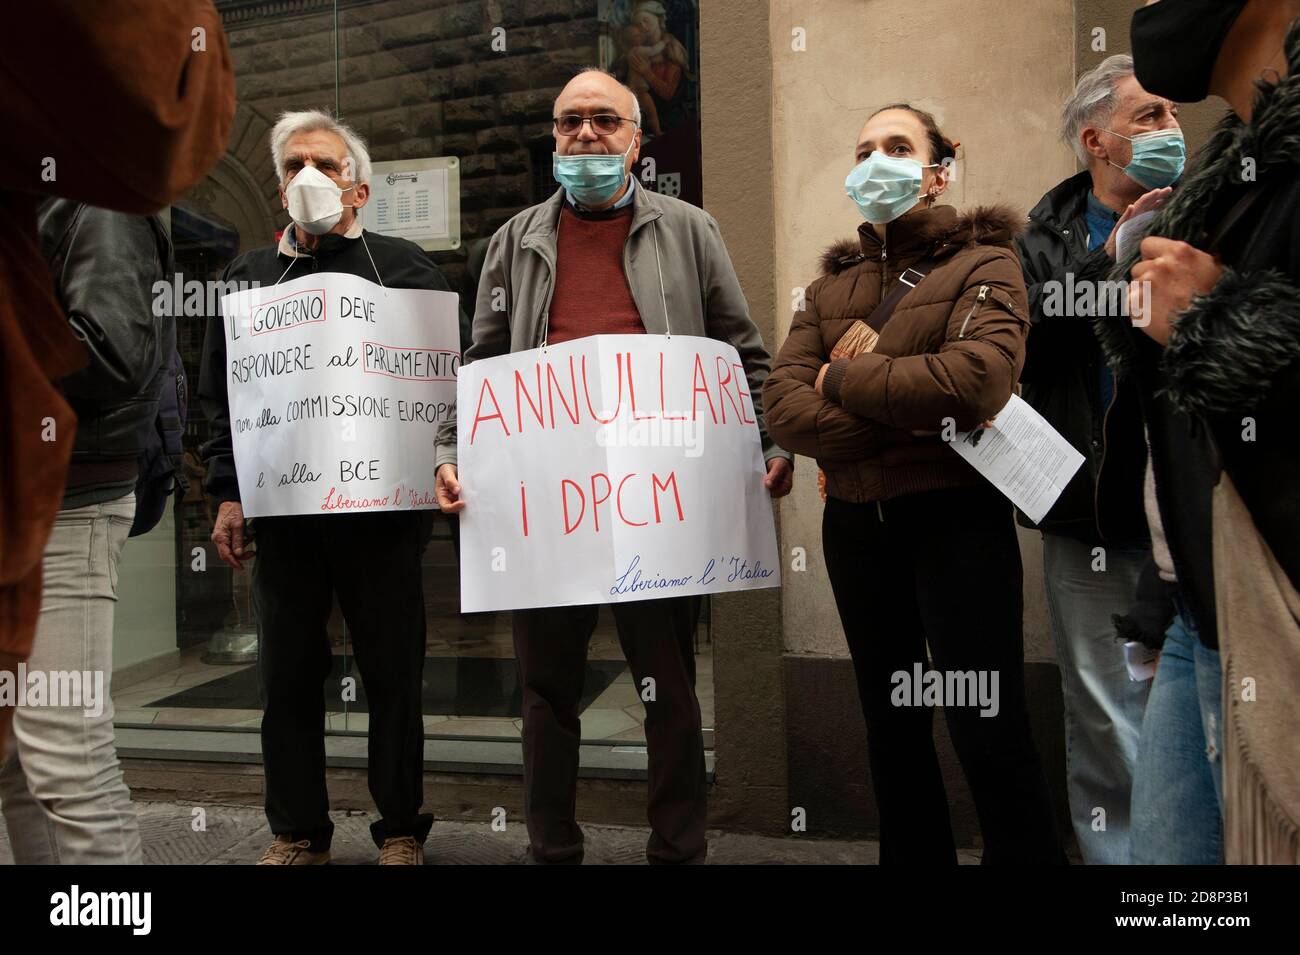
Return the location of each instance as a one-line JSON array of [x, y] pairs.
[[1216, 359], [919, 548]]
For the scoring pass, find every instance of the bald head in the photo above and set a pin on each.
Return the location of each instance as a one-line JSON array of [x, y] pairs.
[[594, 92], [594, 82]]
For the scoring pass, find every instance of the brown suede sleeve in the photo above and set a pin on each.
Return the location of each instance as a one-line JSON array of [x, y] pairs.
[[129, 114], [8, 663]]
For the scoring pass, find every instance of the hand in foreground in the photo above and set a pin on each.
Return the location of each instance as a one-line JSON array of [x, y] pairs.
[[228, 534], [1164, 282], [1147, 202], [780, 477], [446, 488]]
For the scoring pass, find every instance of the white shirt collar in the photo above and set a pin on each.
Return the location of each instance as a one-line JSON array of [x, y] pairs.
[[289, 248]]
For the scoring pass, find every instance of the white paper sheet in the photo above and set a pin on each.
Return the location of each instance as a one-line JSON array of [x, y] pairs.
[[1130, 234], [1023, 456]]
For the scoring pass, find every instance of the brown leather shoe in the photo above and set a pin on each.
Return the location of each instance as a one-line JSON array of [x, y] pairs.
[[284, 851], [403, 850]]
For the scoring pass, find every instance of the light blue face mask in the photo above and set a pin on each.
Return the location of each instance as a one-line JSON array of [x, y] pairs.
[[885, 187], [592, 179], [1158, 157]]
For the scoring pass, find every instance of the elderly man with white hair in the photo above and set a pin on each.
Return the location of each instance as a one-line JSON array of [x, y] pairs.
[[604, 255], [1096, 544], [370, 561]]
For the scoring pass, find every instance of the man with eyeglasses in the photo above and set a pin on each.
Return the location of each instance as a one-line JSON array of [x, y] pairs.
[[606, 256]]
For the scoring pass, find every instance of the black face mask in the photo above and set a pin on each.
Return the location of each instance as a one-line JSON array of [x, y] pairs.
[[1176, 43]]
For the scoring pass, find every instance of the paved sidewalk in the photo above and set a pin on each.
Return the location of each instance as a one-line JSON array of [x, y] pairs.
[[237, 835]]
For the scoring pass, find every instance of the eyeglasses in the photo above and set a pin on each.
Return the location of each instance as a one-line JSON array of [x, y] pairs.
[[602, 124]]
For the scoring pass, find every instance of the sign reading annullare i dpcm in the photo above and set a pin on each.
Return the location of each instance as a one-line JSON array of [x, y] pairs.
[[610, 468], [337, 387]]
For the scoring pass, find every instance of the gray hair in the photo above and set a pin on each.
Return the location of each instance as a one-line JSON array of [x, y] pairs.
[[1094, 100], [636, 104], [309, 121]]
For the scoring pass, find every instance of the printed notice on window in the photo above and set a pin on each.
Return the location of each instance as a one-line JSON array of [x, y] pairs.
[[416, 199], [1023, 456]]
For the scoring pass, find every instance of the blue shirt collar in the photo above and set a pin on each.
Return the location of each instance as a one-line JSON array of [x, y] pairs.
[[1100, 221], [622, 203], [1099, 209]]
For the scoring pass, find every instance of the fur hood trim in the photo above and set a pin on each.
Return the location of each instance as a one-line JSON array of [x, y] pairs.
[[983, 225]]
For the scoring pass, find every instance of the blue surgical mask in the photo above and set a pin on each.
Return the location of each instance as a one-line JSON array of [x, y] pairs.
[[1158, 157], [592, 179], [885, 187]]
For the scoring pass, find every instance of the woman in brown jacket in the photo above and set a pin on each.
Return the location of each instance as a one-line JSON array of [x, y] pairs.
[[919, 548]]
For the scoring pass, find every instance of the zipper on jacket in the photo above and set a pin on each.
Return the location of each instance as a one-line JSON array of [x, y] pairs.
[[1096, 486], [979, 300], [627, 274], [884, 270], [880, 510], [550, 290], [546, 309]]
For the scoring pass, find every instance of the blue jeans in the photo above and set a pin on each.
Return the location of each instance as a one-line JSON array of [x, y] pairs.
[[1178, 785], [1103, 707]]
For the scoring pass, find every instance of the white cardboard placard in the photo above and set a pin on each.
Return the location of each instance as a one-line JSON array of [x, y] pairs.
[[336, 388], [611, 468]]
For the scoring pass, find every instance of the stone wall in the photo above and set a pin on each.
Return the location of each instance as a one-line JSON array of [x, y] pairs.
[[417, 78]]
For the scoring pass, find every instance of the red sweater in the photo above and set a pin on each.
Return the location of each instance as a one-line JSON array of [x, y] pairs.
[[592, 296]]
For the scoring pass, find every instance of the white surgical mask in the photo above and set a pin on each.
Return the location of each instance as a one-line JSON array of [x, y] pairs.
[[315, 201], [885, 187]]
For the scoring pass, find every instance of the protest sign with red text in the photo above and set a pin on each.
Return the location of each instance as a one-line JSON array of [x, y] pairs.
[[610, 468]]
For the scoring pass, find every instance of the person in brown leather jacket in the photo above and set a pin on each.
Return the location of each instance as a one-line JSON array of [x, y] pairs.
[[919, 548], [88, 116]]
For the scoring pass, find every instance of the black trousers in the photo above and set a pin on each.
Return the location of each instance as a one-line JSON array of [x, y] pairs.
[[942, 569], [657, 637], [372, 562]]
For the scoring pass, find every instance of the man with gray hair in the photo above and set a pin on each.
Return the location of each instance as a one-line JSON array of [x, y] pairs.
[[1095, 538], [604, 255], [370, 561]]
